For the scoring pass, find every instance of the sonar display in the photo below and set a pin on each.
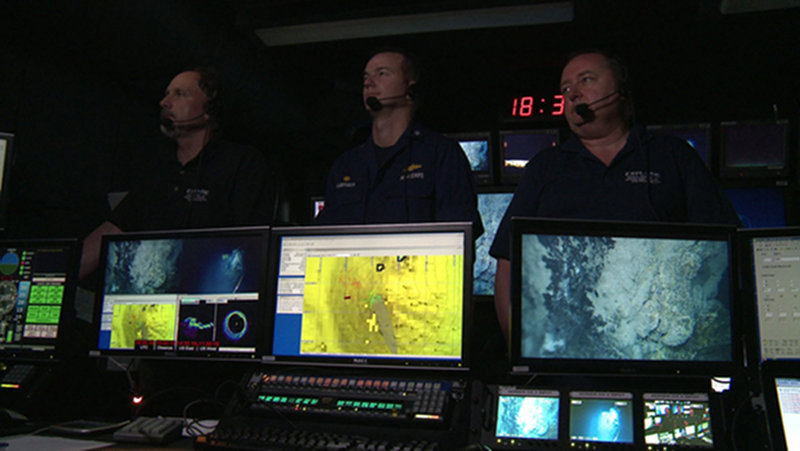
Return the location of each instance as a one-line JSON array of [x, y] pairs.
[[383, 305]]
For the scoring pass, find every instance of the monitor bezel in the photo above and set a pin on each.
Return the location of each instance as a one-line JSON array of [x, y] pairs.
[[481, 177], [65, 339], [499, 189], [509, 178], [727, 172], [5, 172], [705, 127], [529, 365], [278, 233], [262, 231], [749, 301]]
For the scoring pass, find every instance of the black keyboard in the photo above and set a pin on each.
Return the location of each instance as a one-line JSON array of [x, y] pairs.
[[250, 435]]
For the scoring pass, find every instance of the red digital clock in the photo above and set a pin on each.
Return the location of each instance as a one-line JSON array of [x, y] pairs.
[[523, 107]]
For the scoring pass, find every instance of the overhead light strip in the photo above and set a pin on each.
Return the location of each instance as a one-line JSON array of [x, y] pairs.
[[509, 16]]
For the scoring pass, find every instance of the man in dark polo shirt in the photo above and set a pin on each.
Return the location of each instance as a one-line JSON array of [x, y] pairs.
[[403, 172], [206, 182], [608, 169]]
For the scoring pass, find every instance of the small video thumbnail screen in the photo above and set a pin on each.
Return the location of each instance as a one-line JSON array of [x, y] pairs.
[[518, 148], [601, 417], [477, 152], [527, 414], [492, 207], [677, 419], [754, 145]]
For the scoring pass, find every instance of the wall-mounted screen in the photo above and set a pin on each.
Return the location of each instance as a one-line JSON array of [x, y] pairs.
[[754, 149], [519, 146], [492, 205], [759, 207], [696, 135]]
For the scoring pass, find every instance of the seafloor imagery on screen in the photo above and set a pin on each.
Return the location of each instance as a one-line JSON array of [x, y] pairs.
[[392, 305], [625, 298], [492, 207], [478, 154], [527, 417]]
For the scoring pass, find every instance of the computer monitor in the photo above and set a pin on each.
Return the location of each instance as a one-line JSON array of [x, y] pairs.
[[479, 151], [781, 382], [678, 419], [191, 294], [37, 290], [519, 146], [6, 159], [522, 417], [697, 135], [754, 149], [600, 417], [759, 207], [492, 205], [613, 297], [771, 286], [394, 296]]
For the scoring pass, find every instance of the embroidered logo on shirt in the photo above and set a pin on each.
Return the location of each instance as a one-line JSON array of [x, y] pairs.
[[412, 172], [346, 183], [196, 195], [640, 177]]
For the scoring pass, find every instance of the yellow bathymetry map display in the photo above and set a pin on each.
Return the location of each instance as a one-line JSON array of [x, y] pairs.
[[383, 305], [133, 322]]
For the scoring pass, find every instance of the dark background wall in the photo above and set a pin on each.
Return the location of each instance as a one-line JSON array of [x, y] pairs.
[[80, 83]]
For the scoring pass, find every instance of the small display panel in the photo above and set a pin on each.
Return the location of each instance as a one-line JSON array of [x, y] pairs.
[[594, 296], [37, 288], [317, 204], [754, 149], [183, 293], [788, 393], [492, 207], [519, 146], [677, 419], [6, 158], [526, 414], [759, 207], [696, 135], [395, 295], [478, 149], [605, 417], [776, 272]]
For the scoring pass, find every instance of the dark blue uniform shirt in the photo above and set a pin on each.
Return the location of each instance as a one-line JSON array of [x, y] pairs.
[[424, 177], [569, 182]]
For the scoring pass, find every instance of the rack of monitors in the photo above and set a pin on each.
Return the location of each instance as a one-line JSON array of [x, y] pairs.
[[594, 297], [545, 417]]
